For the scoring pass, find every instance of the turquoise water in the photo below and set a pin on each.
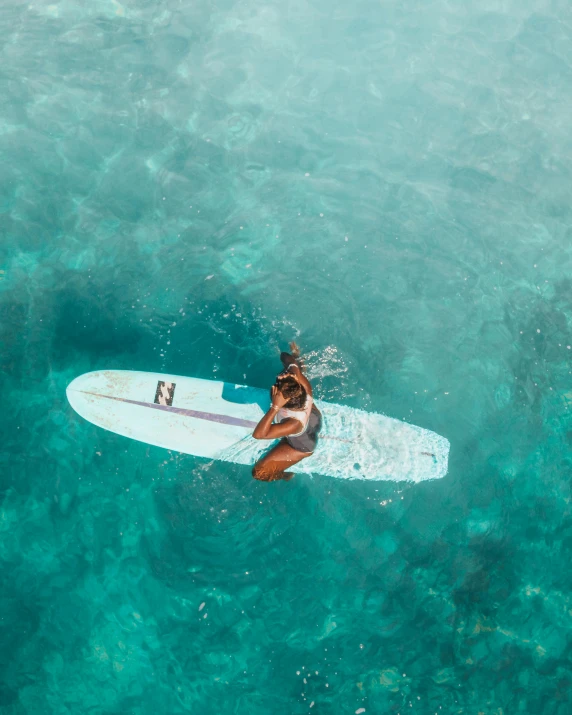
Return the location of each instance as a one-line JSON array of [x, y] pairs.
[[185, 187]]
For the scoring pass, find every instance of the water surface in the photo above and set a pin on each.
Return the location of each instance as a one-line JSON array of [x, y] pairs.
[[186, 187]]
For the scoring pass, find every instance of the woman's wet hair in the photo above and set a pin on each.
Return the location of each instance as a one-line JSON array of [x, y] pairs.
[[292, 391]]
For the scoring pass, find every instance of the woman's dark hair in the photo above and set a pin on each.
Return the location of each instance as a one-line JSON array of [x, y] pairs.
[[293, 391]]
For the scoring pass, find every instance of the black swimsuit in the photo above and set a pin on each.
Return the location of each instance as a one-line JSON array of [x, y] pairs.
[[306, 442]]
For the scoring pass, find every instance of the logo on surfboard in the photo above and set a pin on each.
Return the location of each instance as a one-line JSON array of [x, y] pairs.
[[165, 392]]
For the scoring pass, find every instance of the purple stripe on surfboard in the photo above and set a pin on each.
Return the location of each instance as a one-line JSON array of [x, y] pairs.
[[209, 416]]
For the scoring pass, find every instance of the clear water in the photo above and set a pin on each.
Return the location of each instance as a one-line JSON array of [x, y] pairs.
[[185, 186]]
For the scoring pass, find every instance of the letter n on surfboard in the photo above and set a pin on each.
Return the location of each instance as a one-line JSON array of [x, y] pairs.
[[164, 393]]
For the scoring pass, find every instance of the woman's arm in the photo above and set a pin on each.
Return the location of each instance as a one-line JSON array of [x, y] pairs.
[[266, 430], [296, 372], [293, 357], [293, 364]]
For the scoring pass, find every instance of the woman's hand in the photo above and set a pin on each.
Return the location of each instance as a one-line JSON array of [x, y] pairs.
[[278, 399], [266, 430], [294, 349], [292, 358]]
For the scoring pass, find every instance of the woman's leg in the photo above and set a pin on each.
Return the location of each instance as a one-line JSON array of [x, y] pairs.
[[273, 465]]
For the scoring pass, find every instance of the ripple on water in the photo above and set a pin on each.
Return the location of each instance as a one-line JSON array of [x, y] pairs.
[[238, 130], [209, 515]]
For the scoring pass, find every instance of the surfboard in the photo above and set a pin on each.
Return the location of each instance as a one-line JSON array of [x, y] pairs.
[[215, 420]]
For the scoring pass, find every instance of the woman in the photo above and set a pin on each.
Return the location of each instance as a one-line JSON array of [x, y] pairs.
[[293, 418]]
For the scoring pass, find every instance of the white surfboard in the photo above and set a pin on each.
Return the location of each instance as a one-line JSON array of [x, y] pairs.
[[215, 420]]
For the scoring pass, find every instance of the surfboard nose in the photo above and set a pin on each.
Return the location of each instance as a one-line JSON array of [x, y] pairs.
[[79, 382], [75, 384], [80, 386], [73, 391]]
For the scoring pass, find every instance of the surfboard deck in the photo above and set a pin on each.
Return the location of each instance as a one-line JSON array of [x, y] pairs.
[[215, 420]]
